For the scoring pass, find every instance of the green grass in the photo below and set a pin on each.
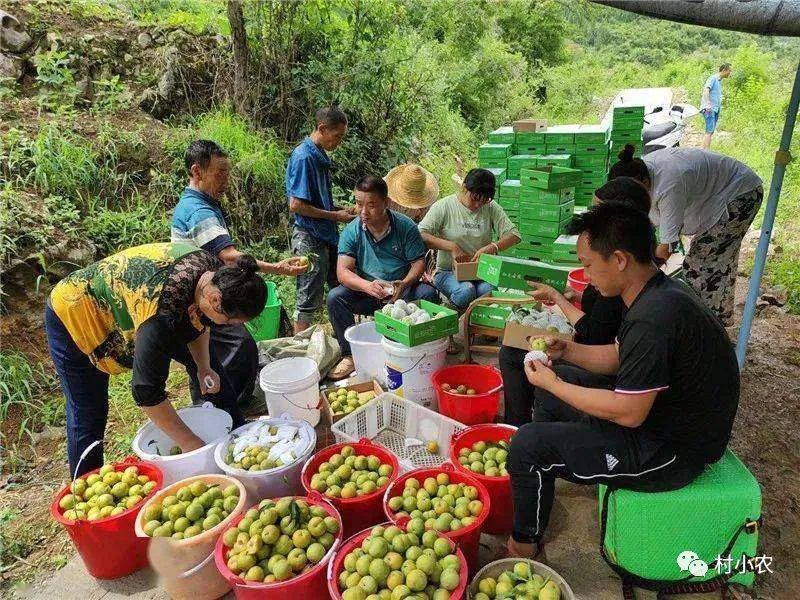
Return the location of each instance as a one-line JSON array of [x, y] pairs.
[[195, 16]]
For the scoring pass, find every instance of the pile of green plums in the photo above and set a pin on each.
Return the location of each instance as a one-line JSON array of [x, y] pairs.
[[106, 493], [191, 510], [519, 583], [347, 475], [485, 458]]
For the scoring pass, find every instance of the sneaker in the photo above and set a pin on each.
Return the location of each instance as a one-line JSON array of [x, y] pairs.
[[344, 369]]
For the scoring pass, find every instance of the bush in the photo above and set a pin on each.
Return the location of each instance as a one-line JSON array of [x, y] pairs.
[[112, 230]]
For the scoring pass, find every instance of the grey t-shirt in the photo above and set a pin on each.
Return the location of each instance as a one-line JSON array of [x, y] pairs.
[[691, 189]]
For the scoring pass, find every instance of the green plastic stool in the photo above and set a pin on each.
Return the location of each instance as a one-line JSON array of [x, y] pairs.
[[265, 325], [718, 513]]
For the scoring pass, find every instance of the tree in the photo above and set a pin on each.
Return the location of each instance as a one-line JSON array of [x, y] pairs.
[[241, 57]]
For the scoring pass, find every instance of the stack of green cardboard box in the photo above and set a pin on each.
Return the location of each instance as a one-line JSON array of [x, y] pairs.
[[591, 159], [626, 128]]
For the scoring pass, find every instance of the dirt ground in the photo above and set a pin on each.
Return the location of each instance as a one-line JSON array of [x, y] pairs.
[[765, 437]]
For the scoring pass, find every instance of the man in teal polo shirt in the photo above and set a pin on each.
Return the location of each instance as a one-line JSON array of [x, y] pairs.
[[381, 259]]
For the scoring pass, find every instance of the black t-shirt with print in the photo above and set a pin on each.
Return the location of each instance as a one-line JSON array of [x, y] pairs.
[[602, 319], [670, 342]]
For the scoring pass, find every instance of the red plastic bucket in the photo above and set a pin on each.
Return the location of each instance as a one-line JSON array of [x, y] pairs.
[[109, 547], [576, 279], [501, 515], [311, 584], [470, 410], [467, 537], [337, 564], [362, 511]]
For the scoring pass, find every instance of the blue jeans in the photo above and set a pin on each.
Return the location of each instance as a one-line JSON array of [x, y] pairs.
[[311, 285], [86, 389], [344, 304], [461, 293]]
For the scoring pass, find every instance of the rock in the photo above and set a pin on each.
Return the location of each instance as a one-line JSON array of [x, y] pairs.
[[53, 40], [145, 40], [771, 310], [776, 295], [68, 255], [85, 87], [13, 37], [10, 67]]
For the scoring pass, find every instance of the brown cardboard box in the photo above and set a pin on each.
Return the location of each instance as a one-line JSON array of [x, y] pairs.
[[356, 387], [518, 336], [530, 125], [466, 271]]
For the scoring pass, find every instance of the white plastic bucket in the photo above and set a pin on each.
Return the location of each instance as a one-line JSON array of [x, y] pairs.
[[281, 481], [207, 422], [409, 370], [291, 386], [368, 353]]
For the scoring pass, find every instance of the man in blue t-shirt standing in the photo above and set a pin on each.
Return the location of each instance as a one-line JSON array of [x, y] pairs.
[[316, 219], [381, 258], [711, 102]]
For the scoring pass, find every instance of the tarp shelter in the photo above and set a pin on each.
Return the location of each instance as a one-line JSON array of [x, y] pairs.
[[764, 17]]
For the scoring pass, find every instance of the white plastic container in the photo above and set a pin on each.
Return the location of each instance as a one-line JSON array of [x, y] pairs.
[[402, 426], [368, 353], [207, 422], [291, 386], [202, 582], [281, 481], [409, 370]]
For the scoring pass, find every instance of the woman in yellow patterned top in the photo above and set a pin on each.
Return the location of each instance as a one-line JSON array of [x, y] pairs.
[[138, 310]]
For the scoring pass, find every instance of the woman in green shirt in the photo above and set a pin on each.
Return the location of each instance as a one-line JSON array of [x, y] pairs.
[[462, 227]]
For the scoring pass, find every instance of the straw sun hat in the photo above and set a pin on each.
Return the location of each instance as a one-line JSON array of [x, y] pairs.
[[411, 186]]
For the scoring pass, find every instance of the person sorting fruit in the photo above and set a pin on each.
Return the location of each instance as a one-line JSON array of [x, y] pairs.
[[462, 227], [596, 322], [200, 220], [138, 310], [713, 198], [381, 258], [645, 413]]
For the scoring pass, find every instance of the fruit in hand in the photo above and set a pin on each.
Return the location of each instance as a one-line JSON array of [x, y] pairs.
[[518, 583], [437, 504], [396, 565], [486, 458], [106, 493], [192, 509], [347, 475], [279, 539]]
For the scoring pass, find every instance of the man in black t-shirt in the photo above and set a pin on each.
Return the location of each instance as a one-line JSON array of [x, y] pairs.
[[646, 413]]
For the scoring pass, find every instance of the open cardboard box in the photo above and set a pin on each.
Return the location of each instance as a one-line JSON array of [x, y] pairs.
[[356, 387], [530, 125], [466, 271], [518, 336]]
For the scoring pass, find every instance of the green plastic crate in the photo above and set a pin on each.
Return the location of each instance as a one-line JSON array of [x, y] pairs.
[[515, 273], [499, 176], [492, 163], [559, 148], [591, 160], [265, 326], [414, 335], [565, 249], [529, 138], [509, 188], [591, 135], [535, 149], [502, 135], [536, 228], [557, 160], [542, 211], [518, 161], [539, 196], [645, 532], [549, 178], [494, 151]]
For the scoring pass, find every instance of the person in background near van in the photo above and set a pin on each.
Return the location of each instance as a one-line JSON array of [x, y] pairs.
[[463, 226], [412, 190], [713, 198], [316, 219], [199, 220], [711, 102], [381, 259], [596, 322]]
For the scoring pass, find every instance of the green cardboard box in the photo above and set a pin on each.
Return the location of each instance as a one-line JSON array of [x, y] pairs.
[[592, 149], [509, 189], [529, 227], [591, 135], [542, 211], [626, 135], [549, 178], [534, 149], [561, 134], [591, 160], [494, 151], [499, 176], [529, 138], [628, 112], [414, 335], [502, 135], [557, 160], [537, 253], [518, 161], [559, 148], [492, 163], [539, 196], [565, 248], [508, 204], [515, 273]]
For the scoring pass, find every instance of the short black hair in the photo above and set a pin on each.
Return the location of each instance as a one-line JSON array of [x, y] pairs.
[[628, 166], [724, 66], [332, 116], [625, 190], [371, 184], [200, 152], [480, 182], [613, 226], [243, 292]]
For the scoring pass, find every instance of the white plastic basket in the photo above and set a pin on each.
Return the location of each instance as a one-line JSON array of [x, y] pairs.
[[402, 426], [494, 569]]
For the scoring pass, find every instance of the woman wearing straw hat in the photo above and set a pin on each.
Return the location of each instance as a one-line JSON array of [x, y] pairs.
[[412, 190], [462, 227]]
